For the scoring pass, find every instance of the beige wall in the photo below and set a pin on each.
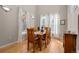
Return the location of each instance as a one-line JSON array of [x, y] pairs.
[[8, 26]]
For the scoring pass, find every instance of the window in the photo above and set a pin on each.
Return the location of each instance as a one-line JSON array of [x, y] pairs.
[[55, 24], [52, 21]]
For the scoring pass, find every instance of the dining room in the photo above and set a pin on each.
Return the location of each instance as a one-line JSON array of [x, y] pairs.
[[43, 29], [39, 28]]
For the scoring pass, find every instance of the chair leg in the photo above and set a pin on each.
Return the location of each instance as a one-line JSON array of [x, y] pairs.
[[40, 45], [45, 43], [28, 45], [40, 48], [33, 47]]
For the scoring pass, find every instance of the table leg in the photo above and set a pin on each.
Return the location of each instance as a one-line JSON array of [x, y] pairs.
[[40, 42]]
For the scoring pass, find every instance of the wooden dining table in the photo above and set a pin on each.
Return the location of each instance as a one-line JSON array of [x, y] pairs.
[[40, 35], [39, 32]]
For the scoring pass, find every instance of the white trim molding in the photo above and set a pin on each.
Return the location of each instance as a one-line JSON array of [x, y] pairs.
[[77, 51], [8, 44]]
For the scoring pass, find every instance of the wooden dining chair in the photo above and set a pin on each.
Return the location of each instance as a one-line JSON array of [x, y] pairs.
[[32, 39], [47, 37], [50, 34], [40, 42]]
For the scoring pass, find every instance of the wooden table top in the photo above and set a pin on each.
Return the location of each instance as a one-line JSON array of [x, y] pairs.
[[39, 32]]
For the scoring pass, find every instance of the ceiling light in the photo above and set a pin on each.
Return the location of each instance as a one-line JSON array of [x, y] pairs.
[[5, 8]]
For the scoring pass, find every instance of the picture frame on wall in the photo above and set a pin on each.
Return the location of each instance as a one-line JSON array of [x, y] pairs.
[[62, 22]]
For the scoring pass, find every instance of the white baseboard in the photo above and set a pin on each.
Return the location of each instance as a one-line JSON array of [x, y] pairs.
[[8, 44], [77, 51]]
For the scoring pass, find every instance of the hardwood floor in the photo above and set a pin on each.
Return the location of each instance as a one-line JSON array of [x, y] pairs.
[[55, 46]]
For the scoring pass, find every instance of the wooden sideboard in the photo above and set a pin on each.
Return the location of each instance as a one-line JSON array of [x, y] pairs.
[[70, 43]]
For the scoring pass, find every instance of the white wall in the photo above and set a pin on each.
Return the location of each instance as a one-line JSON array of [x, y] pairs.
[[72, 20], [73, 23], [76, 27]]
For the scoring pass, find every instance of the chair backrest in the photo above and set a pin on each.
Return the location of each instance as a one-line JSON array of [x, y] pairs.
[[30, 34], [47, 31], [38, 28]]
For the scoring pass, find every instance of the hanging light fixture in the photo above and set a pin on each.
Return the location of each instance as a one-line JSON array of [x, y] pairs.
[[5, 8]]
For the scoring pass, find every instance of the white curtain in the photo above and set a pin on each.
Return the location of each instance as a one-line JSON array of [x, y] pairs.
[[55, 24], [20, 23], [44, 21], [30, 20], [25, 20], [52, 21]]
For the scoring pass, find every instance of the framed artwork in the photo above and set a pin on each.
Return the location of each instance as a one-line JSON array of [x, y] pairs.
[[62, 22]]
